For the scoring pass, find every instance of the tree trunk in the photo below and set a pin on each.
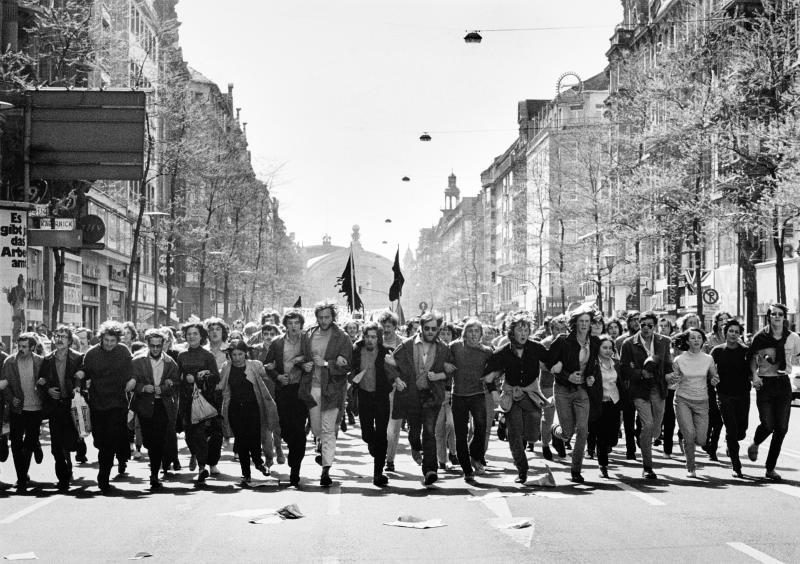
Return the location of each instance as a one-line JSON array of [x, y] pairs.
[[130, 313], [778, 239], [747, 257], [698, 269], [57, 311]]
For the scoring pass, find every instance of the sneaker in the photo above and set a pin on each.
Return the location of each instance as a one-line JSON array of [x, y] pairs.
[[576, 478], [201, 477], [214, 470], [389, 467], [192, 463], [648, 474], [430, 478], [417, 456], [381, 481], [773, 475], [547, 453], [558, 443], [604, 472], [752, 452]]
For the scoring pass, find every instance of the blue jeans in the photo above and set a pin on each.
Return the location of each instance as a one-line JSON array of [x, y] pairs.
[[424, 424], [572, 407], [774, 401]]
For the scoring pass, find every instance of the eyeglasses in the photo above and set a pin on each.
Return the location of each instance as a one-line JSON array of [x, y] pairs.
[[651, 325], [430, 329], [58, 337]]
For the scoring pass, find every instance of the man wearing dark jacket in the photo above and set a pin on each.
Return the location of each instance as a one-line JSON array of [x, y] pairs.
[[283, 362], [645, 362], [57, 384], [373, 387], [420, 383], [107, 370], [21, 371], [157, 385]]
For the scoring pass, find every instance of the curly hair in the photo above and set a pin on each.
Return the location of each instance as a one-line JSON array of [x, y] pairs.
[[111, 328], [323, 305], [197, 325], [211, 321]]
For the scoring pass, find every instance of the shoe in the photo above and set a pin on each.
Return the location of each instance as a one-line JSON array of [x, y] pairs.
[[235, 458], [351, 420], [214, 470], [137, 454], [547, 453], [389, 467], [521, 478], [453, 458], [430, 478], [22, 486], [263, 469], [604, 472], [325, 479], [442, 466], [38, 455], [668, 455], [648, 474], [752, 452], [737, 473], [590, 454], [630, 456], [193, 463], [79, 458], [318, 459], [657, 442], [63, 486], [294, 477], [558, 443], [176, 466], [469, 478], [343, 425], [568, 444], [3, 448], [691, 474], [380, 481], [123, 468], [576, 478], [244, 482], [773, 475], [417, 456], [155, 484], [201, 477], [280, 458], [530, 447], [479, 468], [712, 454]]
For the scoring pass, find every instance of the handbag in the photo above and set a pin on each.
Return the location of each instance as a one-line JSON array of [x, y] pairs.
[[80, 416], [201, 407]]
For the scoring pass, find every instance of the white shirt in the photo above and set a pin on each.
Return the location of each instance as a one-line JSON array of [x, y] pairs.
[[158, 371]]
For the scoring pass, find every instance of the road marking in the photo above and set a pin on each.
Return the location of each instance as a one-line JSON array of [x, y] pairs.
[[30, 509], [790, 452], [636, 493], [335, 500], [788, 490], [753, 553]]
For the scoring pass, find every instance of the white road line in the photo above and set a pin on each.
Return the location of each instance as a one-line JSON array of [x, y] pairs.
[[335, 500], [788, 490], [753, 553], [30, 509], [790, 452], [636, 493]]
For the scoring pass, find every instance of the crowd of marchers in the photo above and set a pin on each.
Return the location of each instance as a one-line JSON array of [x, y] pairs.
[[578, 382]]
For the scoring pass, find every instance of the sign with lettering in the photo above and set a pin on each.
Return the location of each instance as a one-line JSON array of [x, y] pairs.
[[13, 271]]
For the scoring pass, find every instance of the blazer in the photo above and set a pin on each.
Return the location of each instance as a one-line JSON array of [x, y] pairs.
[[383, 382], [10, 373], [275, 354], [144, 402], [333, 379], [49, 373], [567, 350], [409, 402], [632, 360]]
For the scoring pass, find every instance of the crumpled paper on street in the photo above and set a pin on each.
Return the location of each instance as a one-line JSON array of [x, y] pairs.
[[411, 522], [140, 556], [546, 481], [517, 524], [22, 556], [290, 511]]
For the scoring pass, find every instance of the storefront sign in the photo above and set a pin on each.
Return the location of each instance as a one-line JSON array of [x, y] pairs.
[[13, 271]]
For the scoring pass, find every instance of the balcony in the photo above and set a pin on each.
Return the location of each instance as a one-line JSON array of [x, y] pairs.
[[623, 37]]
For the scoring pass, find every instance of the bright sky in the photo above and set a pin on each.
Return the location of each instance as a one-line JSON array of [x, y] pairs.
[[337, 94]]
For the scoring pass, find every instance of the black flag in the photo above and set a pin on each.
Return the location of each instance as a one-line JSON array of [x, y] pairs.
[[299, 302], [397, 286], [347, 285]]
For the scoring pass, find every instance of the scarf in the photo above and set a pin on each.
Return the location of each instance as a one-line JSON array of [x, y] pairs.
[[765, 340]]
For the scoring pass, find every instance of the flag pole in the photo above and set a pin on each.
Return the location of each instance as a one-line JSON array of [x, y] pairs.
[[353, 288]]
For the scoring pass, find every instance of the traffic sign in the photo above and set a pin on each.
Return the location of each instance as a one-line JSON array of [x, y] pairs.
[[710, 296]]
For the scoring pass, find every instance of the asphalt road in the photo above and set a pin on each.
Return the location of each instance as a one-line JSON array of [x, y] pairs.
[[714, 518]]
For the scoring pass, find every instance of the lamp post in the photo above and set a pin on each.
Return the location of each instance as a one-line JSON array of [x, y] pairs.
[[154, 217]]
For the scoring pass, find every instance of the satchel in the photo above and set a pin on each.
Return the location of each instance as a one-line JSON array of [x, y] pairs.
[[201, 407], [80, 416]]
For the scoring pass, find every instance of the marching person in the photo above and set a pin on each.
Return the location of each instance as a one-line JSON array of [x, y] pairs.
[[630, 422], [521, 398], [469, 356], [107, 372], [646, 361], [604, 418], [420, 383], [373, 387], [773, 352], [21, 372], [251, 410], [283, 362], [157, 386], [198, 369], [327, 351], [391, 340], [57, 386]]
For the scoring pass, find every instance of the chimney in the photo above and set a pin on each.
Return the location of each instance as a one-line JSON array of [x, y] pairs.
[[238, 111]]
